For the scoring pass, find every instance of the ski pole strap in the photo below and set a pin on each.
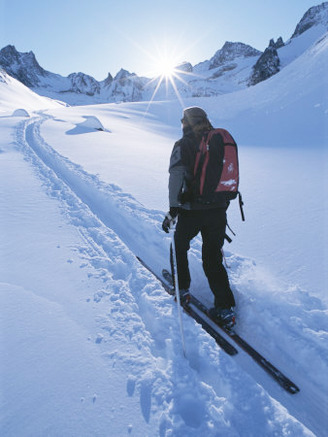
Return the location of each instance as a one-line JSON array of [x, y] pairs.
[[230, 229], [226, 237], [241, 203]]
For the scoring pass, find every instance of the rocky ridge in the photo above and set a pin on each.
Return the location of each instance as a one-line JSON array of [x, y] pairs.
[[235, 66]]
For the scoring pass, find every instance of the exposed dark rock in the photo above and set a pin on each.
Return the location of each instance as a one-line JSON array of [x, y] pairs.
[[266, 66]]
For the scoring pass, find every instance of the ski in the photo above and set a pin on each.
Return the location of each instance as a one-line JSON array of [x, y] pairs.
[[276, 374], [220, 340]]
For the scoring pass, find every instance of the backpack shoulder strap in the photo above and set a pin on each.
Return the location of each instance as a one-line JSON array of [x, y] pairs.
[[226, 136]]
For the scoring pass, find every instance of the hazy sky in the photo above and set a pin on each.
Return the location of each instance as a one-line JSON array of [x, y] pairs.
[[101, 36]]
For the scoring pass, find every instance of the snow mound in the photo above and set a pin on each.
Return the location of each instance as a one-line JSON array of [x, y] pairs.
[[20, 113], [90, 124]]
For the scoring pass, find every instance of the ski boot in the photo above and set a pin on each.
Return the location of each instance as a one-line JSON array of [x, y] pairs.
[[224, 317]]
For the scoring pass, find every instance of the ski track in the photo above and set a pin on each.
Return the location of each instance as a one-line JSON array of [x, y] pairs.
[[100, 211], [106, 252]]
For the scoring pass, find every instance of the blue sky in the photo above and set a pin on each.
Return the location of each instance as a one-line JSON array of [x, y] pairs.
[[101, 36]]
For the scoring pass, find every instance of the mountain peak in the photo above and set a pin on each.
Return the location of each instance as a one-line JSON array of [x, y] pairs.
[[22, 66], [9, 49], [109, 79], [84, 84], [231, 51], [8, 55], [184, 67], [122, 74], [313, 17]]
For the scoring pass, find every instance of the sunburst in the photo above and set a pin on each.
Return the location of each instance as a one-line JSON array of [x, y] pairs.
[[165, 70]]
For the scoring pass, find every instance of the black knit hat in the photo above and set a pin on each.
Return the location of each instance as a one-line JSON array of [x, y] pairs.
[[194, 115]]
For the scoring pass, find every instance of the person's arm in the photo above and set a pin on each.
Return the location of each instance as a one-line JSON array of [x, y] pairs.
[[177, 172]]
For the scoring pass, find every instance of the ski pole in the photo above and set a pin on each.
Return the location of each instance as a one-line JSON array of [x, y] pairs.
[[177, 292]]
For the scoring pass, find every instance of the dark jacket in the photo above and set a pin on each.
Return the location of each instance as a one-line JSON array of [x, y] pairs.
[[181, 171]]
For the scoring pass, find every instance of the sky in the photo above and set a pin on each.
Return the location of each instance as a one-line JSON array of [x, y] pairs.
[[102, 36]]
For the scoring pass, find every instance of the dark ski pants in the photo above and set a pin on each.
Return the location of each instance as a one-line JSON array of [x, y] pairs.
[[211, 223]]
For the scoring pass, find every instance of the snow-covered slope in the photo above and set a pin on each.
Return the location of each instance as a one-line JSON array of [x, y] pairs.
[[91, 344], [14, 95]]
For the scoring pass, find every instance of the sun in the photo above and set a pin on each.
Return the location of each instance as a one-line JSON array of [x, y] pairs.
[[165, 71], [165, 67]]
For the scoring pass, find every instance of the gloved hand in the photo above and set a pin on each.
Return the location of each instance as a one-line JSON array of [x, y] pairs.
[[170, 219]]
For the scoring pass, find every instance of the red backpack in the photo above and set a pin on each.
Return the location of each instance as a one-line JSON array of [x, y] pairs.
[[216, 170]]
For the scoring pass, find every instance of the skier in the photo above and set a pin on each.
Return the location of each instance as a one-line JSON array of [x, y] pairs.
[[194, 216]]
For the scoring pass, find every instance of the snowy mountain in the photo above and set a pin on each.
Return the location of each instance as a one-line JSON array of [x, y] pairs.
[[228, 70], [125, 87], [235, 66], [230, 52], [315, 16], [315, 21], [90, 340], [22, 66], [83, 84]]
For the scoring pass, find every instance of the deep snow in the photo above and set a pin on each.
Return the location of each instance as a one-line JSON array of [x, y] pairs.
[[90, 343]]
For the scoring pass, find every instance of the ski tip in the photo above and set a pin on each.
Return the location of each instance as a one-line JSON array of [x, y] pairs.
[[231, 351], [292, 388]]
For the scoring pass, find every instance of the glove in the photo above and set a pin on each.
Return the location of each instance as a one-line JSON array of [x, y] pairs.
[[170, 219]]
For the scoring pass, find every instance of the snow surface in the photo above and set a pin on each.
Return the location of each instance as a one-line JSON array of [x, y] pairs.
[[90, 341], [13, 93]]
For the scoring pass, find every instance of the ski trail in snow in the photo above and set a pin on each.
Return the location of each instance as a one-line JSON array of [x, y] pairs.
[[116, 209], [191, 399], [162, 379], [105, 216]]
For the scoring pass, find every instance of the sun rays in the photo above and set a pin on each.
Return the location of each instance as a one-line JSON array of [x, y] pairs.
[[168, 74], [165, 68]]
